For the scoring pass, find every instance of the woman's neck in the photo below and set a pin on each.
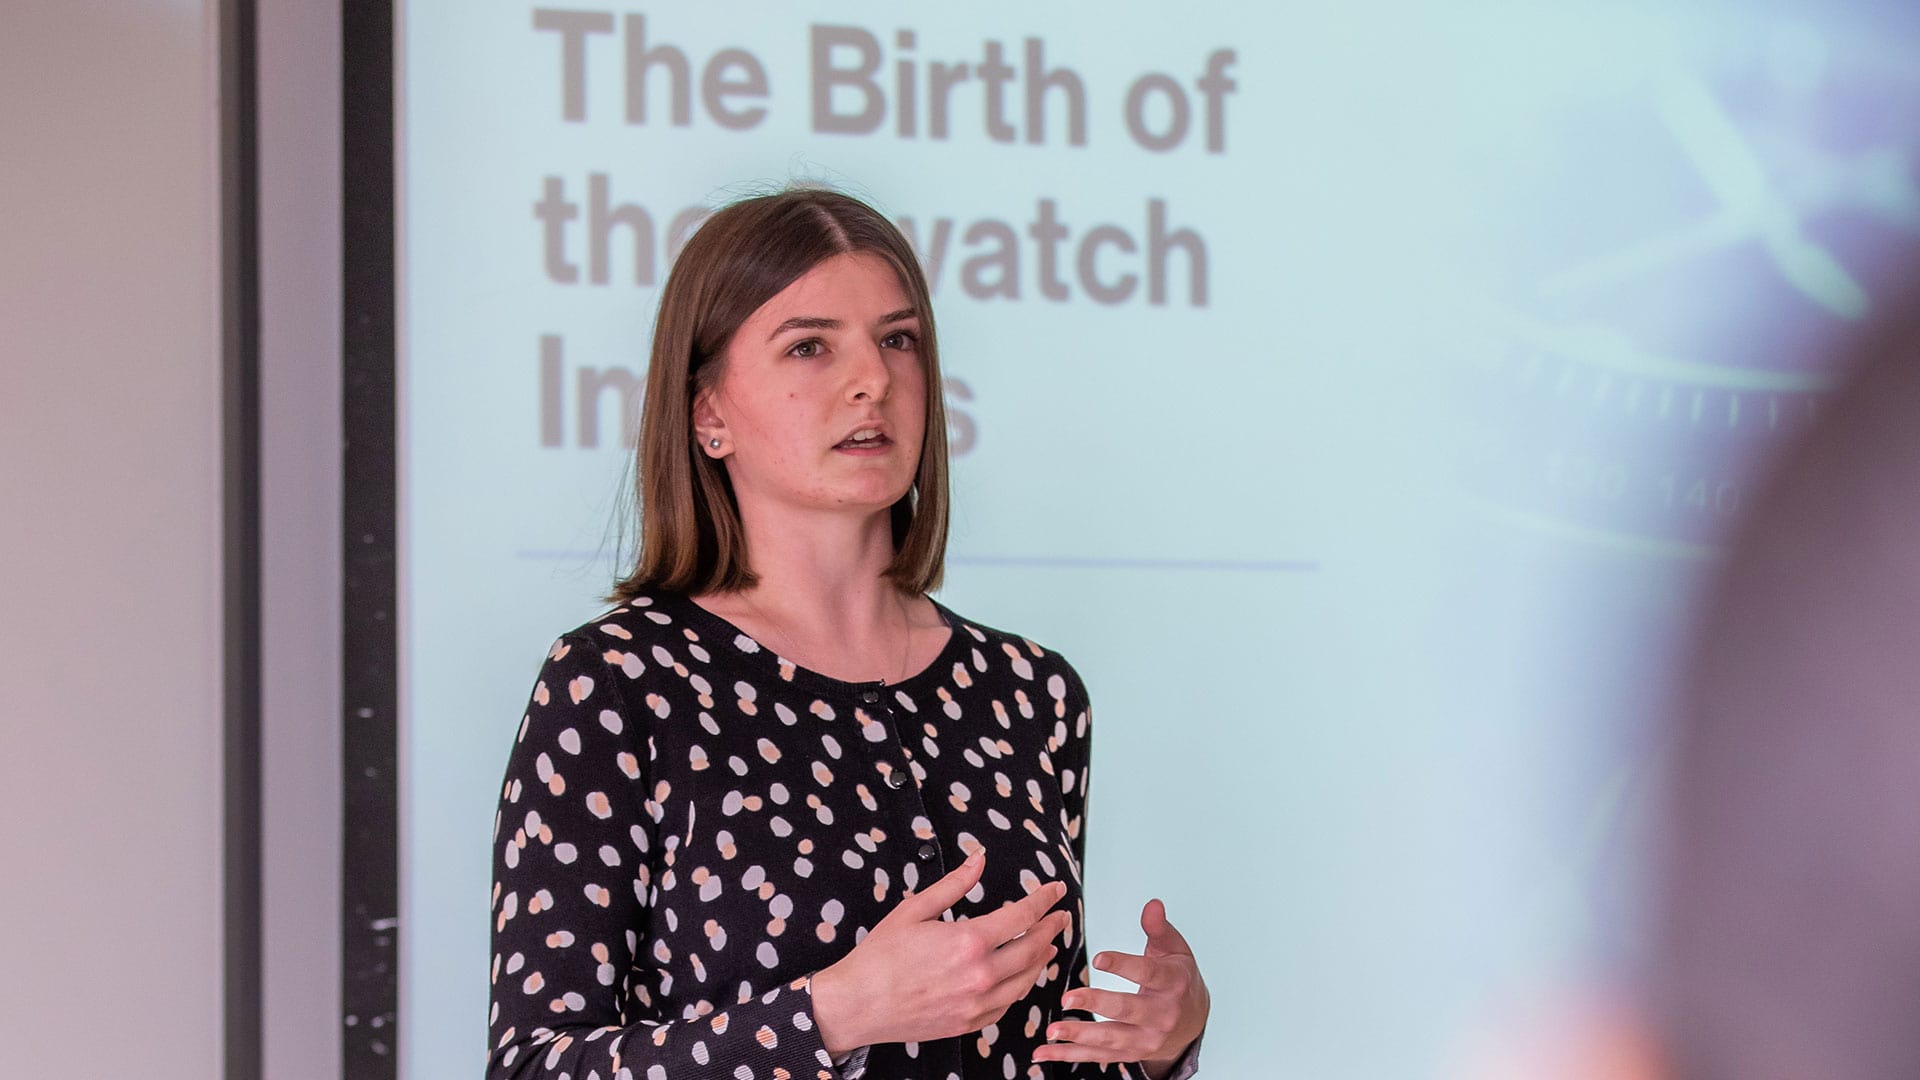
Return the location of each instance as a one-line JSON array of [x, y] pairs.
[[822, 587]]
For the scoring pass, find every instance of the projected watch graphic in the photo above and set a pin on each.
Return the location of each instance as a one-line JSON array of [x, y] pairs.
[[1678, 316]]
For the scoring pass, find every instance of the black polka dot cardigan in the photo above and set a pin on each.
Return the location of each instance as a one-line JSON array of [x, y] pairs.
[[691, 825]]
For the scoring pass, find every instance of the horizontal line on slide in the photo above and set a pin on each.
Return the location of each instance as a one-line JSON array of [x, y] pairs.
[[1060, 562], [1096, 562]]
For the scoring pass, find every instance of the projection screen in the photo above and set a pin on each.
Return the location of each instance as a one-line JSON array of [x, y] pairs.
[[1356, 394]]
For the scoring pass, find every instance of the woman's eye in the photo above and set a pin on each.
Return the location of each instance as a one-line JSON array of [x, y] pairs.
[[906, 339], [811, 347]]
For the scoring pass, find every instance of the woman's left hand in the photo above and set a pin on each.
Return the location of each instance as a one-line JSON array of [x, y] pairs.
[[1153, 1026]]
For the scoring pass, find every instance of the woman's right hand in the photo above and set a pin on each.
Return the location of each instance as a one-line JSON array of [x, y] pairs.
[[916, 976]]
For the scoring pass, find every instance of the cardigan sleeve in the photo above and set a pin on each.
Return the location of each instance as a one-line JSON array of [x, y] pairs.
[[1074, 760], [570, 907]]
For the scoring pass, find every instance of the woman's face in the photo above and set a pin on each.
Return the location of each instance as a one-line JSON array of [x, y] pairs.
[[834, 353]]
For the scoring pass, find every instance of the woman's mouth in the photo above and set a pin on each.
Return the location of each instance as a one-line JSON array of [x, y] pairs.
[[854, 443]]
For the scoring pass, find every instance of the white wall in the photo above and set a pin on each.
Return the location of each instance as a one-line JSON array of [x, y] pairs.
[[110, 643], [110, 528]]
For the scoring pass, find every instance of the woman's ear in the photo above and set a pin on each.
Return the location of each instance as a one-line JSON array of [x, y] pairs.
[[708, 426]]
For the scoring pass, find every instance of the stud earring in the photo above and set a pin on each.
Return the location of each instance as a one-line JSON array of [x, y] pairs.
[[715, 443]]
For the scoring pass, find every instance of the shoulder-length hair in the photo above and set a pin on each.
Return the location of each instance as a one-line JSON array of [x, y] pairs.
[[691, 536]]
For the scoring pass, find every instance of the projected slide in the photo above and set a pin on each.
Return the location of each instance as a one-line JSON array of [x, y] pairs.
[[1355, 394]]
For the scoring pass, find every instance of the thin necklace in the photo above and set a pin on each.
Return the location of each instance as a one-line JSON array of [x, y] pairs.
[[906, 636]]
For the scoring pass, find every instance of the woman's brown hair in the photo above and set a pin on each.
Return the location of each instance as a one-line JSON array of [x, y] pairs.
[[691, 537]]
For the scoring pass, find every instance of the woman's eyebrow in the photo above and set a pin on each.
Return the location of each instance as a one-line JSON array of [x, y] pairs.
[[816, 322]]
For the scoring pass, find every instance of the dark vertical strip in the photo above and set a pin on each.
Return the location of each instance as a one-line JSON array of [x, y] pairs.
[[370, 879], [240, 536]]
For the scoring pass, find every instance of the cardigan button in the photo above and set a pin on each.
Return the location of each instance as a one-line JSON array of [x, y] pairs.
[[896, 779], [926, 852], [869, 696]]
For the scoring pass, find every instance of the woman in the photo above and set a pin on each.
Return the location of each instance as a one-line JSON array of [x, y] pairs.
[[778, 814]]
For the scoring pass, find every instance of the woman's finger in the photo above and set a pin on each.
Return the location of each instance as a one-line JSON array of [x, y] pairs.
[[1014, 919], [1140, 970], [1014, 986], [1053, 927], [1112, 1004], [927, 904], [1162, 938], [1023, 954], [1085, 1040]]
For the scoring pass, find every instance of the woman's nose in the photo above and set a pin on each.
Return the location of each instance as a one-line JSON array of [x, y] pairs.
[[871, 377]]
